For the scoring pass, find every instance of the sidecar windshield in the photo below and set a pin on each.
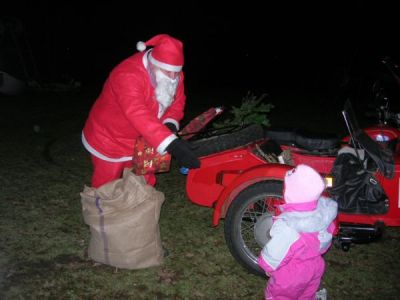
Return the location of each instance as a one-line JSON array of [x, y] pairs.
[[383, 157], [351, 122]]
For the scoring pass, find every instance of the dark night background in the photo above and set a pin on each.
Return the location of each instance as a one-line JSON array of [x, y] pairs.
[[293, 47], [309, 56]]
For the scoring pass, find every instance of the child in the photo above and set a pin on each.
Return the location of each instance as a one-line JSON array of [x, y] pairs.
[[299, 236]]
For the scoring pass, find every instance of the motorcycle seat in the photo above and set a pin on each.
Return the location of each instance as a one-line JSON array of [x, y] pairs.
[[303, 139]]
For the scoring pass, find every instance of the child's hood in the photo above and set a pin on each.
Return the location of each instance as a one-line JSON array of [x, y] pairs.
[[312, 221]]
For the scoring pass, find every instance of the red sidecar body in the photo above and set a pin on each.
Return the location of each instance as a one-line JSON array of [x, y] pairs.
[[224, 175]]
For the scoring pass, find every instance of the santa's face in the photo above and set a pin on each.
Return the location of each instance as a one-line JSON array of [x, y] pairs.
[[165, 84]]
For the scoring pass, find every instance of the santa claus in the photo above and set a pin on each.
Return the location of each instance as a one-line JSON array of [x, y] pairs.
[[142, 97]]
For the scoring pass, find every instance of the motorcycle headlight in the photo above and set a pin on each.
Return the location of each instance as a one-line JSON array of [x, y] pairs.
[[328, 181]]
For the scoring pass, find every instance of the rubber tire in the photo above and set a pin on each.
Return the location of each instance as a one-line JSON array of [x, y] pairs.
[[216, 144], [233, 217]]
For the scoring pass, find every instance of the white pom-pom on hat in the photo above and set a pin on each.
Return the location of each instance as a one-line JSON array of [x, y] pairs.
[[141, 46]]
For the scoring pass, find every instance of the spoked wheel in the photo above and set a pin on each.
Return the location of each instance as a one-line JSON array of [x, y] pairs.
[[249, 220]]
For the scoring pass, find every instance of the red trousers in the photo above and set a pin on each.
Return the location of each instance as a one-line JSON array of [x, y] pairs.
[[105, 171]]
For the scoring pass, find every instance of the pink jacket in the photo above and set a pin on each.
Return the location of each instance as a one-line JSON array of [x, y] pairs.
[[292, 257], [126, 109]]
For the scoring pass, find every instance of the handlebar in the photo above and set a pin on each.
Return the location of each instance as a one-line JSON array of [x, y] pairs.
[[382, 110], [383, 114], [393, 68]]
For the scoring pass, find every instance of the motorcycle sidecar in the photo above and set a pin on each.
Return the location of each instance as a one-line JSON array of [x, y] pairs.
[[244, 187]]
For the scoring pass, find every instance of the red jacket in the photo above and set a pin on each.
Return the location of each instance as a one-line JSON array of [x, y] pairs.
[[127, 108]]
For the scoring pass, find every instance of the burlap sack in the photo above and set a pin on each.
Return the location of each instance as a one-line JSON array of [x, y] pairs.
[[123, 217]]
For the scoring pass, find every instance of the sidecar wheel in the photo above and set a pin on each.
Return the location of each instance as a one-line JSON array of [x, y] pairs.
[[248, 221], [219, 143]]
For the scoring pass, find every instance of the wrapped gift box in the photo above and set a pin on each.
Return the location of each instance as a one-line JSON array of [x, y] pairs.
[[146, 159]]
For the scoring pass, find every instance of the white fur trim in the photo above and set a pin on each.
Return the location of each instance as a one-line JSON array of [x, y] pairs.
[[145, 60], [102, 156], [169, 120], [164, 144], [167, 67], [141, 46]]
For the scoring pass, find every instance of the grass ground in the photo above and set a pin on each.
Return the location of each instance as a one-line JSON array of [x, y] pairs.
[[43, 239]]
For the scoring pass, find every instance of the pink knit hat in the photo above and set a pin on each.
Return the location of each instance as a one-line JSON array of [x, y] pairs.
[[303, 184], [167, 52]]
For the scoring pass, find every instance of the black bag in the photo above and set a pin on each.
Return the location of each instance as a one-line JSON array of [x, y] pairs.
[[355, 189]]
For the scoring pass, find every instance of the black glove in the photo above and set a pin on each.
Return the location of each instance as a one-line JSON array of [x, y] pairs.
[[172, 127], [180, 150]]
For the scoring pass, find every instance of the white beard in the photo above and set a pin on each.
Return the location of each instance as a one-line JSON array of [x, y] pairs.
[[165, 91]]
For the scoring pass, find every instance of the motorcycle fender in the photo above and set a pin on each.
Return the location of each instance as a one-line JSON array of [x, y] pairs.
[[247, 178]]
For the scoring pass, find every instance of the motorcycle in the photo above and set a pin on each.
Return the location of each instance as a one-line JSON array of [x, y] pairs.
[[241, 179]]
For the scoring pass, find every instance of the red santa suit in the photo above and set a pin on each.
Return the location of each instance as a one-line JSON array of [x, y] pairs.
[[126, 109]]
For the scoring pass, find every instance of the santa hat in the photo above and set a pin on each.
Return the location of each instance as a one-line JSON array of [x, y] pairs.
[[167, 52], [303, 184]]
